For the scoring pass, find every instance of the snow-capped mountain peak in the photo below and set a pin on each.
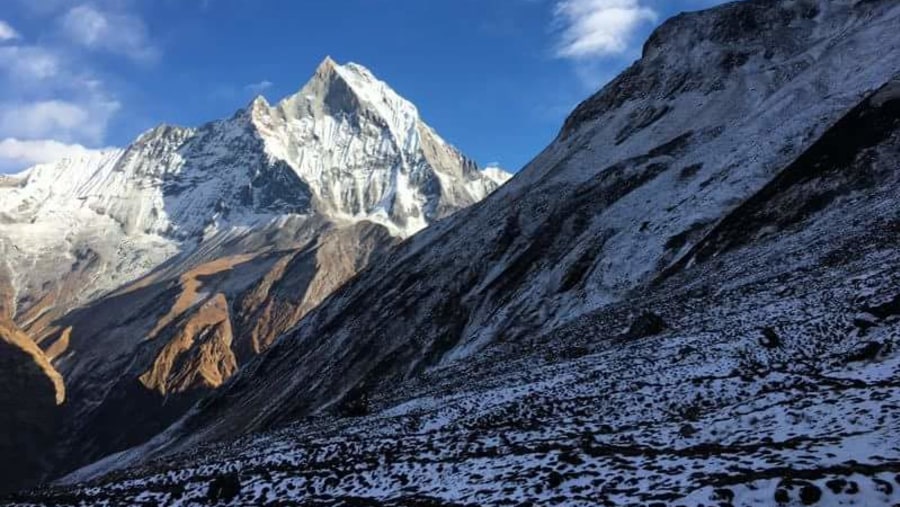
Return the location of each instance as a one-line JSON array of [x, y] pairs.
[[352, 89], [365, 152], [259, 105], [346, 148]]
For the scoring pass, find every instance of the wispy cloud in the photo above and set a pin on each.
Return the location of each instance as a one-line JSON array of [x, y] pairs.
[[28, 63], [598, 28], [7, 32], [54, 99], [57, 119], [113, 32], [258, 88]]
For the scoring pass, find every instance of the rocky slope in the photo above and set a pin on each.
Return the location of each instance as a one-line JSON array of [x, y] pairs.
[[345, 147], [30, 395], [690, 297], [614, 203], [147, 276]]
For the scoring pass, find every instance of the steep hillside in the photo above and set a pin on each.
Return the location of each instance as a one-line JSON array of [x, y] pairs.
[[147, 276], [689, 298], [346, 148], [608, 208], [31, 391], [764, 373]]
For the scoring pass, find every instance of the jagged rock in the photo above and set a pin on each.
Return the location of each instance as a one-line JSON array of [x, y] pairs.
[[810, 494], [224, 488], [646, 324], [355, 403], [570, 220], [451, 332], [151, 274], [867, 351], [769, 338], [885, 310], [31, 392], [864, 321]]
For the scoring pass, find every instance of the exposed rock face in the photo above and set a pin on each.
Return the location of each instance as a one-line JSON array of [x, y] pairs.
[[149, 275], [346, 147], [31, 391], [413, 176], [599, 214], [199, 355], [741, 176], [582, 414], [300, 280], [176, 337], [646, 324]]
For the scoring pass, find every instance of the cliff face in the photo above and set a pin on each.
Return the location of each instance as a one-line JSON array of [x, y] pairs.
[[344, 149], [641, 173], [31, 392], [149, 275], [759, 366], [690, 297]]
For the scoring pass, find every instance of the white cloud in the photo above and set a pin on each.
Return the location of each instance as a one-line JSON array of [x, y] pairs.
[[597, 28], [16, 153], [114, 32], [258, 88], [41, 118], [57, 119], [7, 32], [53, 99], [26, 63]]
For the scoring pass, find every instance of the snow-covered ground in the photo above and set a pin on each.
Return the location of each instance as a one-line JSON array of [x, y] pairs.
[[775, 380], [689, 298]]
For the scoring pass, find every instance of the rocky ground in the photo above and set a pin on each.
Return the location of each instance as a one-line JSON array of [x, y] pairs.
[[690, 298], [734, 386]]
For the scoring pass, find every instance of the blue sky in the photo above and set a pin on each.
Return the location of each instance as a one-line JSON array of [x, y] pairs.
[[494, 77]]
